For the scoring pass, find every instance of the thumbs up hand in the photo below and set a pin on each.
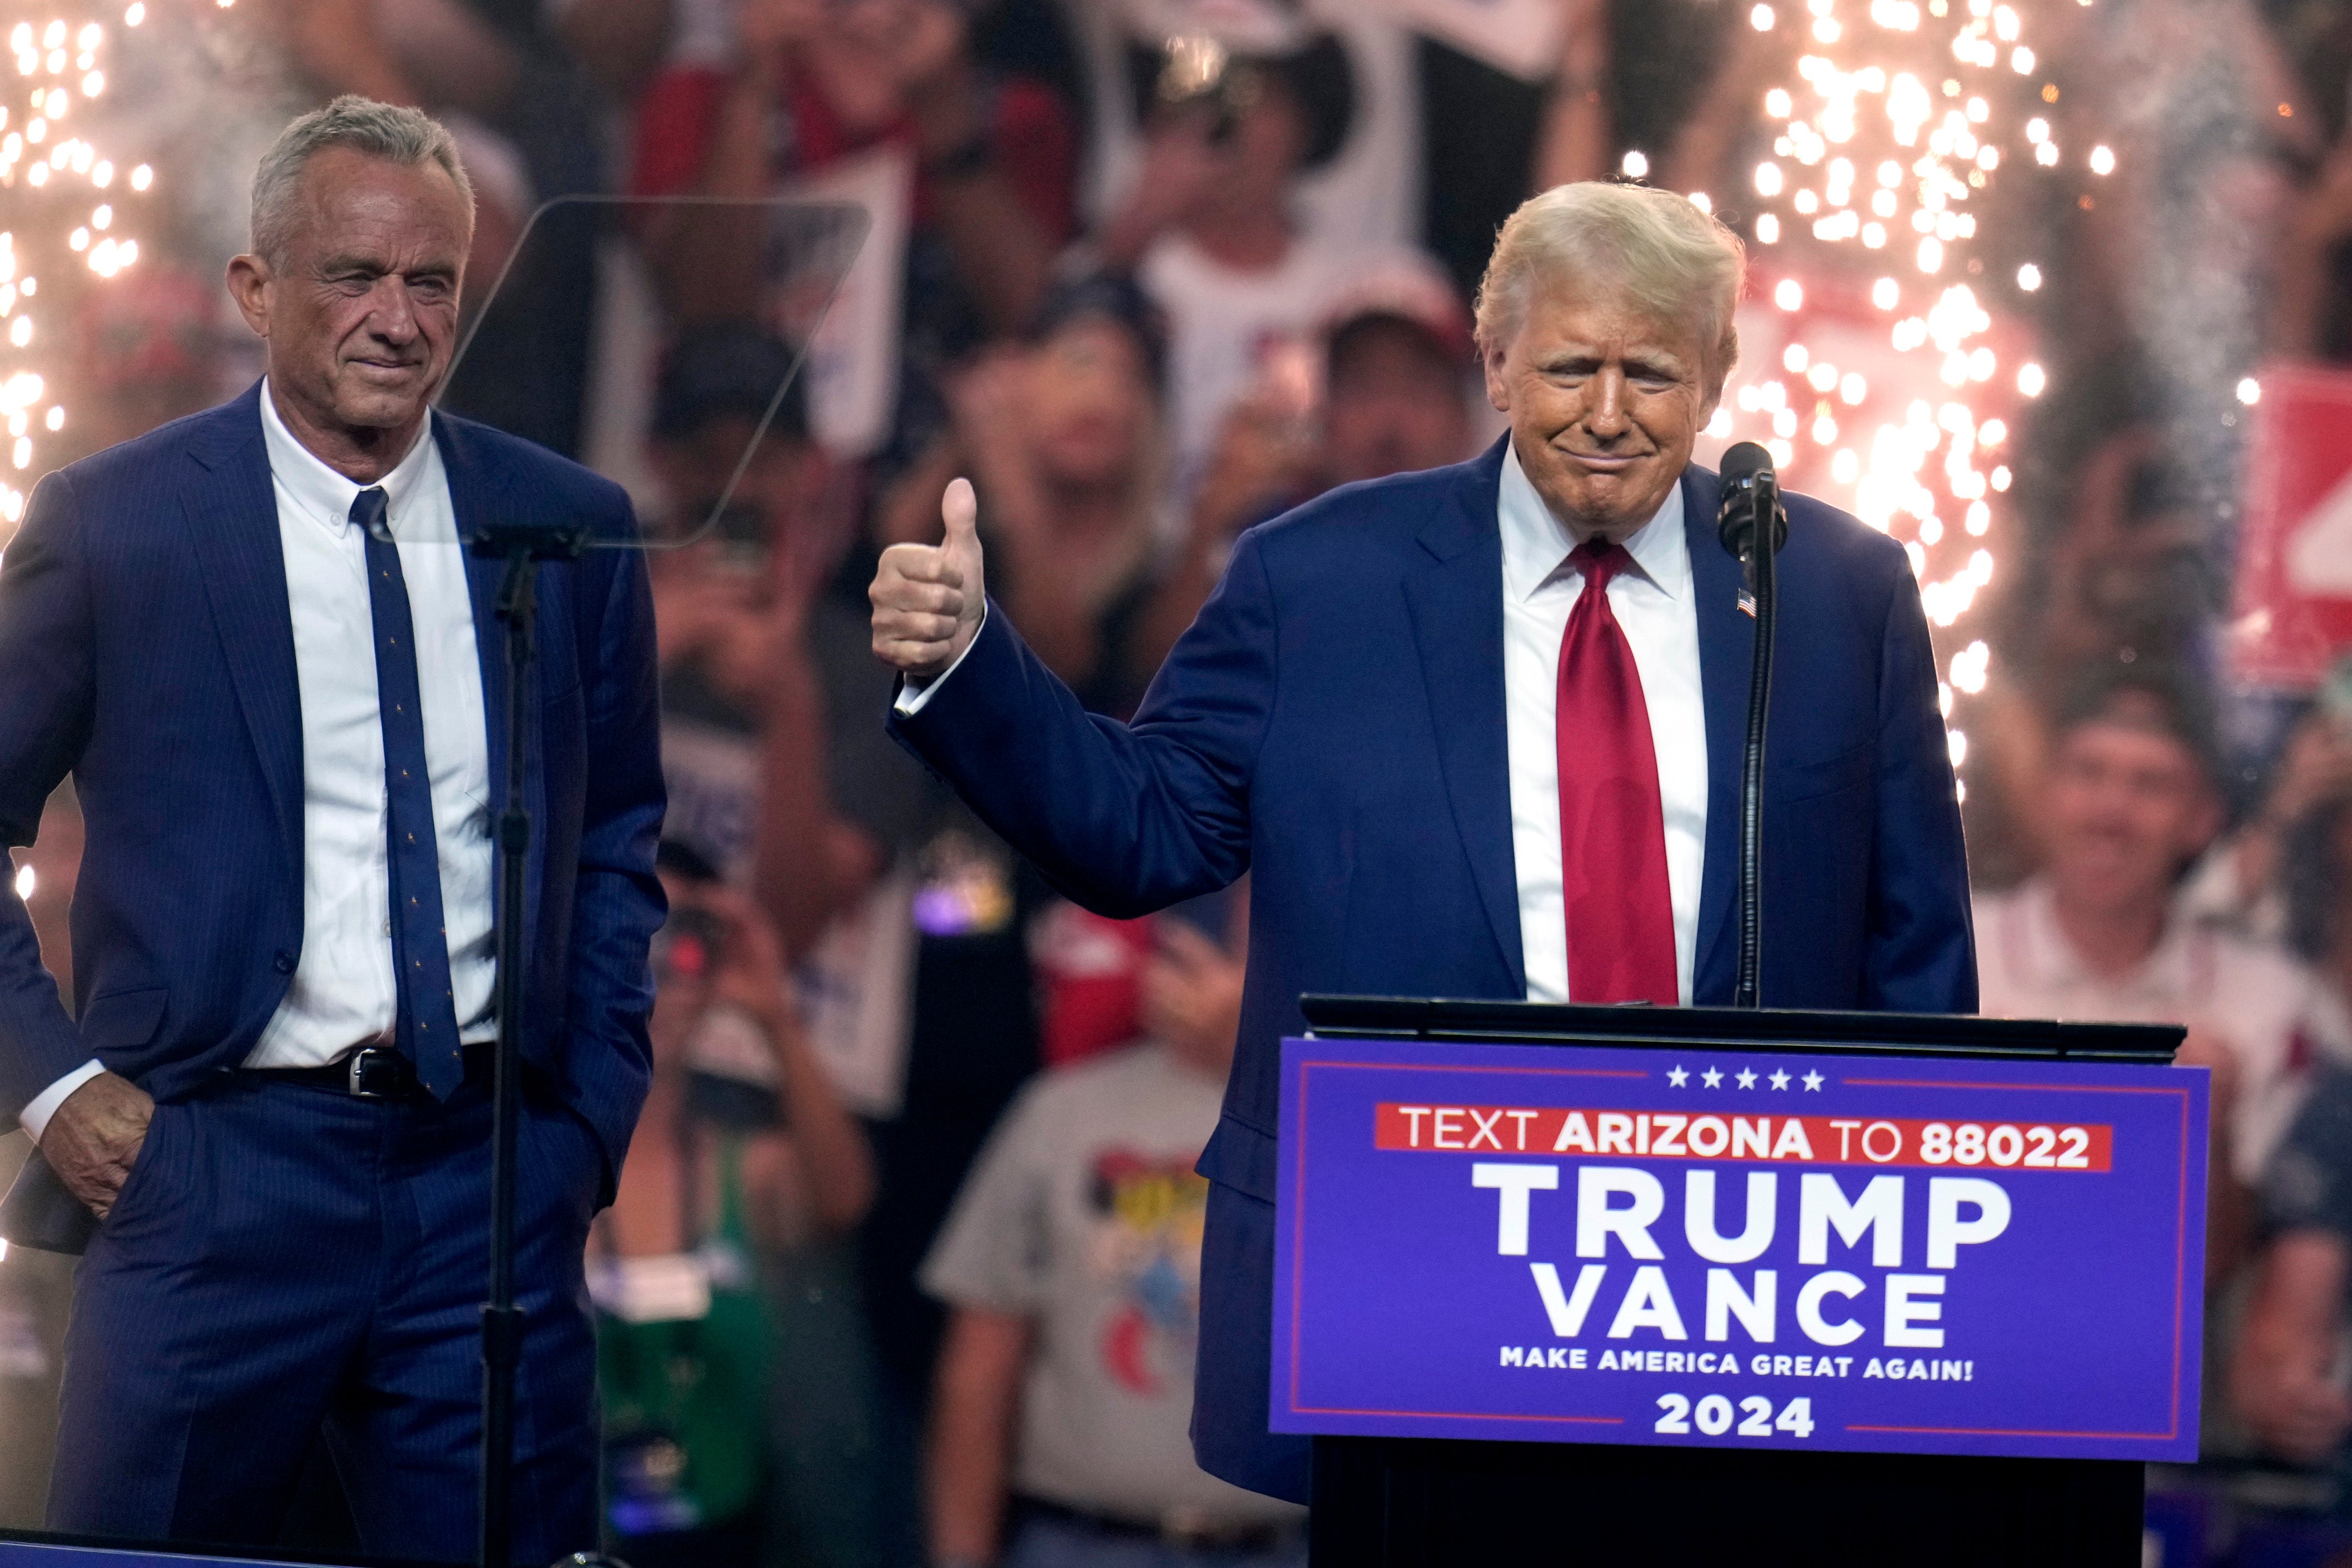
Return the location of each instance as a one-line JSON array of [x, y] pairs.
[[928, 599]]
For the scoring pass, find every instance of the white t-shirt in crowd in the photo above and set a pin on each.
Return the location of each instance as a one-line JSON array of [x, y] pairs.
[[2272, 1014], [1083, 1214], [1222, 324]]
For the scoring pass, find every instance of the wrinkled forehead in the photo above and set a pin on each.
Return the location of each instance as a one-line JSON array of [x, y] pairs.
[[1577, 316], [370, 209]]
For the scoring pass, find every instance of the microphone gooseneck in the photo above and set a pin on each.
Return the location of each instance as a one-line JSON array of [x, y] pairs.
[[1748, 506]]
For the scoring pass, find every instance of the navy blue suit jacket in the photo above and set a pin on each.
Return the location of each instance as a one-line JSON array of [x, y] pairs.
[[146, 647], [1333, 724]]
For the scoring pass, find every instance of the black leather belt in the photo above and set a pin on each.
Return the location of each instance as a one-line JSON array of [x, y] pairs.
[[371, 1072]]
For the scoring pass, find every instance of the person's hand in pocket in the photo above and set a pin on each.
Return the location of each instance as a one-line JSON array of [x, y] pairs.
[[94, 1138]]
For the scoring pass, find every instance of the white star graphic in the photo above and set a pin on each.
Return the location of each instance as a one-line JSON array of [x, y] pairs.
[[1712, 1078], [1780, 1080], [1678, 1078], [1813, 1081], [1747, 1078]]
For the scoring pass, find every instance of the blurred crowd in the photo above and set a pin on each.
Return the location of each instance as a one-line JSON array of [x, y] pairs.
[[904, 1264]]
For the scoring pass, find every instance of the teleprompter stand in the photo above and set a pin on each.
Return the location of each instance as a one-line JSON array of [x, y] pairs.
[[1393, 1502], [522, 546]]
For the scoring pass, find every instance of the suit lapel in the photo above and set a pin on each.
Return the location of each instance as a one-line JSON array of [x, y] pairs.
[[1727, 653], [1456, 603], [232, 514]]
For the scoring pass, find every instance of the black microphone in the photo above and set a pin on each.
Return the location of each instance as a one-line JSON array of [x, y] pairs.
[[1748, 485], [1747, 504]]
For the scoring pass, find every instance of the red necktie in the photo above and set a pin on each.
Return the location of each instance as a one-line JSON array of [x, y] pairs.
[[1612, 831]]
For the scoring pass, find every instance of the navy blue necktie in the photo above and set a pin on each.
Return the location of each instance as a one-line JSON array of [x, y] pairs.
[[426, 1026]]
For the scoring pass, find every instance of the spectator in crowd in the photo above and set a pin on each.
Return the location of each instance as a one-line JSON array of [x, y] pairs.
[[2243, 882], [983, 167], [1072, 1264], [767, 689], [1211, 226], [2311, 310], [2129, 801], [745, 1149], [731, 584], [2287, 1380], [1062, 434], [908, 925], [1395, 378], [1361, 189], [1397, 369], [2129, 580]]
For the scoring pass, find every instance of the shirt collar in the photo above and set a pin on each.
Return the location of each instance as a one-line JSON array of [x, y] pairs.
[[1536, 543], [324, 495]]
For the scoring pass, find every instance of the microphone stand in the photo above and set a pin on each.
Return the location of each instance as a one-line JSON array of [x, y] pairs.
[[522, 546], [1768, 527]]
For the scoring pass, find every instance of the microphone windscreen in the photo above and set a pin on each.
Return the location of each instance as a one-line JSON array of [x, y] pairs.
[[1734, 512], [1742, 463]]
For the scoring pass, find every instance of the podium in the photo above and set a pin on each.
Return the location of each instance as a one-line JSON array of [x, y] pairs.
[[1679, 1286]]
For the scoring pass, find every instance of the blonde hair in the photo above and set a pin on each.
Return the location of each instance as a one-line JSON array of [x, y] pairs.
[[1652, 248]]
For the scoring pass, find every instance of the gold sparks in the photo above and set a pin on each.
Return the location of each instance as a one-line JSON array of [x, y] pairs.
[[1892, 364], [62, 211]]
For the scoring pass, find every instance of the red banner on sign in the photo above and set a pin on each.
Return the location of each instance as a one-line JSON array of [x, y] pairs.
[[2293, 611]]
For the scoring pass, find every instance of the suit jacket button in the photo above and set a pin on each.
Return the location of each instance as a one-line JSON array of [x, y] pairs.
[[285, 964]]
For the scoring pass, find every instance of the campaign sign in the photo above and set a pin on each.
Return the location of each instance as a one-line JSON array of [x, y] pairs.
[[1731, 1248], [2294, 610]]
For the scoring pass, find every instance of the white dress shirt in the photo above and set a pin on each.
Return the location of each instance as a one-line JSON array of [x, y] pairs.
[[1655, 606], [342, 995]]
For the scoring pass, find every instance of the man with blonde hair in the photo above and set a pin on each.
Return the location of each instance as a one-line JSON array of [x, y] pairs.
[[1453, 770]]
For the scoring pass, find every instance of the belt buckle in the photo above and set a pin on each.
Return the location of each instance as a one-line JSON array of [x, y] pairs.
[[375, 1074]]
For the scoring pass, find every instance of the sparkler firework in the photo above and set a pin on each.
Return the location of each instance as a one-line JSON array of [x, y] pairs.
[[64, 210], [1882, 363]]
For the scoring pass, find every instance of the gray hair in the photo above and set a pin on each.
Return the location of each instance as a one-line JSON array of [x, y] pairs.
[[1652, 247], [392, 131]]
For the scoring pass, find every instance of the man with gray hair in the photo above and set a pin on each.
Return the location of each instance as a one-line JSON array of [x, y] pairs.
[[255, 639], [1475, 731]]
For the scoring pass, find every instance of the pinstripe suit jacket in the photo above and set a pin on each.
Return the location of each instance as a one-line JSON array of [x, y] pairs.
[[147, 648]]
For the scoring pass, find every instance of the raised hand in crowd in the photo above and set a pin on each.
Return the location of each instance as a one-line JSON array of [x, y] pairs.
[[2316, 765], [1574, 139], [835, 1163], [1191, 1000], [1265, 457], [1182, 161]]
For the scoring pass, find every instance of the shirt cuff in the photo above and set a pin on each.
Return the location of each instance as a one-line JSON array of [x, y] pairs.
[[34, 1118], [913, 694]]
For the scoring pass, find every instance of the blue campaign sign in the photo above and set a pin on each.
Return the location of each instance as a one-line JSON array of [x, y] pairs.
[[1733, 1248]]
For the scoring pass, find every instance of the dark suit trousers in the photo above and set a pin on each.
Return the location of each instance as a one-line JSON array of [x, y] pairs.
[[284, 1257]]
